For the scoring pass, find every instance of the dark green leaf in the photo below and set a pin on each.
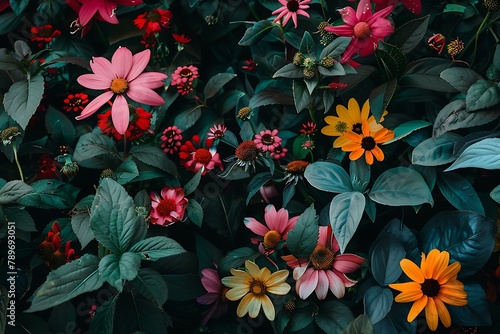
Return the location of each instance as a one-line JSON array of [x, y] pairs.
[[9, 63], [187, 118], [62, 315], [102, 322], [435, 152], [483, 154], [255, 33], [59, 127], [360, 174], [328, 176], [398, 231], [336, 70], [459, 192], [360, 325], [183, 287], [115, 268], [80, 221], [269, 96], [307, 45], [192, 184], [235, 259], [21, 217], [424, 73], [95, 150], [300, 152], [377, 302], [300, 319], [23, 98], [301, 95], [288, 193], [396, 321], [13, 190], [66, 282], [328, 99], [9, 21], [476, 312], [333, 316], [495, 194], [126, 172], [302, 239], [151, 285], [195, 212], [216, 82], [482, 94], [50, 194], [71, 60], [155, 248], [410, 34], [256, 183], [380, 97], [363, 72], [460, 77], [154, 156], [18, 5], [4, 304], [335, 48], [289, 71], [391, 60], [385, 258], [346, 210], [406, 128]]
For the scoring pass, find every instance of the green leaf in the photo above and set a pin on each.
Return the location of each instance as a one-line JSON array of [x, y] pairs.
[[23, 98], [114, 268], [289, 71], [406, 128], [216, 82], [80, 220], [477, 312], [270, 96], [102, 322], [151, 285], [302, 239], [424, 73], [62, 315], [235, 259], [328, 99], [495, 194], [155, 248], [410, 34], [484, 154], [307, 45], [195, 212], [183, 287], [187, 118], [459, 192], [387, 253], [401, 186], [13, 190], [461, 78], [435, 152], [360, 174], [360, 325], [126, 172], [256, 183], [50, 194], [192, 184], [9, 21], [391, 60], [18, 5], [114, 220], [311, 84], [482, 94], [255, 33], [9, 63], [346, 210], [328, 176], [377, 302], [333, 316], [95, 150], [468, 236], [301, 95], [154, 156], [66, 282], [380, 97], [59, 127], [300, 152], [362, 73], [21, 217], [335, 48]]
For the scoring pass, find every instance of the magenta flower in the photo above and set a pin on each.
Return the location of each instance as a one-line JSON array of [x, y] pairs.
[[267, 140], [365, 28], [216, 295], [217, 131], [194, 157], [324, 269], [276, 228], [122, 76], [290, 9], [168, 208], [105, 9]]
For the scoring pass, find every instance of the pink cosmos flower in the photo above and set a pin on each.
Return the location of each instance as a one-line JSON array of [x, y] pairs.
[[276, 228], [194, 157], [415, 6], [365, 28], [290, 9], [122, 77], [324, 269], [169, 207], [216, 295], [267, 140]]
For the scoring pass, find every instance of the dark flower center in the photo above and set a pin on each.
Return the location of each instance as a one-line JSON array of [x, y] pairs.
[[267, 139], [292, 5], [430, 287], [202, 155], [368, 143], [166, 206], [257, 288], [45, 32], [247, 151], [356, 128], [153, 16], [186, 72], [322, 258]]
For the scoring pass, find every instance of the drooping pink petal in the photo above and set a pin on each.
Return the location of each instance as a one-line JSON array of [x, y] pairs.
[[100, 66], [121, 62], [348, 16], [94, 81], [144, 95], [94, 105], [364, 11], [210, 280], [106, 9], [139, 62], [87, 11], [255, 226], [336, 285], [120, 114], [341, 30], [347, 263], [323, 284], [308, 283]]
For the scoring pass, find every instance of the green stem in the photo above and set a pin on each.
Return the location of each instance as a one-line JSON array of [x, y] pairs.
[[476, 37], [323, 9], [124, 147], [21, 175]]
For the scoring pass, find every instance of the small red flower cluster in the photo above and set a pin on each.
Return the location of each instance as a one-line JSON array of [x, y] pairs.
[[140, 123], [50, 249], [44, 34]]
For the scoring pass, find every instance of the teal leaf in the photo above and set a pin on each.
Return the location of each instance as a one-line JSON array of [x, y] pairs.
[[461, 78], [18, 5], [50, 194], [255, 33], [336, 70], [396, 230], [154, 156], [311, 84], [126, 172], [424, 73], [22, 218], [235, 259], [216, 82], [395, 321], [195, 212], [289, 71], [406, 128], [435, 152], [95, 150], [333, 316], [401, 186], [271, 95], [328, 176], [9, 21], [301, 95], [66, 282], [151, 285], [346, 210], [391, 60], [288, 192], [476, 312], [380, 97], [256, 183], [468, 236], [192, 184], [155, 248], [187, 118], [377, 302], [360, 325], [335, 48], [410, 34], [302, 239], [80, 221], [114, 268], [300, 319], [495, 194], [459, 192], [59, 127], [13, 190], [484, 154], [328, 99], [23, 98], [385, 258], [103, 320], [307, 45], [360, 174], [482, 94]]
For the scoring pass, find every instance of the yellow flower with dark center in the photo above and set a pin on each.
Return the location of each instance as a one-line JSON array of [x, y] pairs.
[[366, 143], [434, 284], [350, 119], [252, 287]]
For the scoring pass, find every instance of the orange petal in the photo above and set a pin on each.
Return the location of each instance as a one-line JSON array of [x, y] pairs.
[[441, 264], [431, 314], [443, 313], [410, 292], [353, 136], [365, 128], [432, 260], [405, 287], [412, 271], [449, 273], [452, 296], [355, 155], [351, 147], [416, 308], [369, 157], [378, 153]]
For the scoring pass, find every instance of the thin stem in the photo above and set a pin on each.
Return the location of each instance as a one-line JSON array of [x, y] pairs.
[[21, 175], [124, 147], [476, 37]]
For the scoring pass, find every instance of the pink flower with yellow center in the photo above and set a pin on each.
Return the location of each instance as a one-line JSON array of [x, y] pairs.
[[169, 207], [365, 28], [325, 269], [273, 231], [290, 9], [122, 77], [267, 140], [194, 157], [183, 78]]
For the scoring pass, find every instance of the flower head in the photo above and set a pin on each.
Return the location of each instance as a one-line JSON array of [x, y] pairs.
[[365, 28], [75, 102], [216, 295], [44, 34], [294, 170], [308, 128], [194, 157], [6, 135], [437, 42], [278, 152], [325, 269], [250, 66], [273, 231], [246, 154], [433, 284], [154, 21], [122, 77], [252, 287], [267, 140], [183, 78], [102, 9], [217, 131], [290, 9], [171, 139], [149, 41], [168, 207], [181, 39], [140, 123]]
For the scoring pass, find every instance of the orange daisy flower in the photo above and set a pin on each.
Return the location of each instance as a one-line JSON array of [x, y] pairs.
[[366, 143], [434, 284]]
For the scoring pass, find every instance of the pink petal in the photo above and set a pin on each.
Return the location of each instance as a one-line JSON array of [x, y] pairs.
[[122, 62], [282, 10], [349, 16], [279, 223], [294, 19], [287, 18], [139, 62], [335, 245], [308, 283], [95, 104], [211, 280], [380, 14], [208, 298], [94, 81], [101, 66], [269, 216], [120, 114], [255, 226], [144, 95], [87, 11], [342, 30], [347, 263], [367, 46], [336, 285], [323, 236], [106, 9], [322, 288], [381, 28], [150, 79], [363, 11]]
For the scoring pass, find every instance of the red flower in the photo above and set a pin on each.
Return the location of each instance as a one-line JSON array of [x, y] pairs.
[[75, 102], [437, 42], [181, 39], [149, 41], [337, 85], [169, 207], [140, 122], [43, 34], [47, 168], [308, 128], [195, 158], [154, 20], [250, 66]]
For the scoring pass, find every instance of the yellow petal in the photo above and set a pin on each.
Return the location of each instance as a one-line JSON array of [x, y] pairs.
[[443, 313], [450, 273], [264, 274], [345, 116], [252, 268], [365, 110], [279, 289], [412, 271], [416, 308], [268, 307], [431, 314], [236, 281], [277, 278], [332, 120], [340, 141], [236, 293], [254, 307], [244, 305]]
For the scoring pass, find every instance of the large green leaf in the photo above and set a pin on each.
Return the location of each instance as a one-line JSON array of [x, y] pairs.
[[435, 152], [333, 316], [103, 320], [95, 150], [335, 48], [126, 172], [424, 73], [401, 186], [115, 268], [459, 192], [290, 71], [391, 60], [484, 154], [9, 63], [23, 98], [476, 312], [468, 236], [59, 127], [13, 190], [80, 220], [387, 252], [406, 128], [360, 325], [482, 94], [302, 239], [461, 78], [151, 285], [307, 45], [410, 34], [66, 282], [377, 302], [155, 248], [301, 95], [271, 95], [346, 210], [154, 156], [380, 97], [50, 194], [328, 176], [195, 212], [216, 82], [255, 33]]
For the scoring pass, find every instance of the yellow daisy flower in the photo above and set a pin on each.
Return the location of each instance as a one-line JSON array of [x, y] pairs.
[[434, 284], [252, 286], [366, 143], [350, 119]]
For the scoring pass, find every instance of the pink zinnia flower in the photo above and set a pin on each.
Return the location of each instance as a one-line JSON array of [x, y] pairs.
[[290, 9], [267, 140], [122, 76], [194, 157], [217, 131], [324, 269], [365, 28], [183, 78], [273, 231], [171, 139], [278, 152], [216, 295], [169, 207]]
